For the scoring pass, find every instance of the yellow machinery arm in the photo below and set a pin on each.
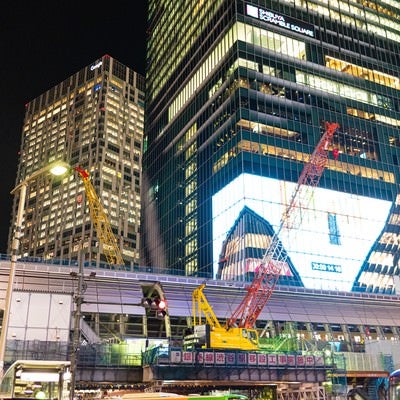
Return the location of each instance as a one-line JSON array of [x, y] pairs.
[[201, 306], [212, 334], [107, 238]]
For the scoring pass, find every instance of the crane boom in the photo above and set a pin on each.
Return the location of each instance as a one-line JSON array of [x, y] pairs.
[[99, 218], [274, 259], [200, 306]]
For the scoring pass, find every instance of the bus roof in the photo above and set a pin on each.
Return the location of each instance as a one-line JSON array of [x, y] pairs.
[[150, 396], [42, 364]]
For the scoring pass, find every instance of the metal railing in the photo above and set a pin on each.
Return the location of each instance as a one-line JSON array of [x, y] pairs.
[[91, 355]]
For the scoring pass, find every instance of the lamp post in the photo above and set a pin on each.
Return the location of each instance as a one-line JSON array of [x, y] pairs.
[[56, 168]]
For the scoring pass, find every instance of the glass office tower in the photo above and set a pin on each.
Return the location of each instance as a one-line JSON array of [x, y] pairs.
[[93, 119], [238, 94]]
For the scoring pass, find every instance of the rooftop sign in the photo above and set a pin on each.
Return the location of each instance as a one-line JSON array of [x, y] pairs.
[[280, 20], [95, 66]]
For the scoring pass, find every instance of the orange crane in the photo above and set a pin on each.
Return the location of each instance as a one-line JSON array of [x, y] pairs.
[[98, 216], [239, 330]]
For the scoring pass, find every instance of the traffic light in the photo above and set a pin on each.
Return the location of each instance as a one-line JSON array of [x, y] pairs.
[[161, 309], [157, 304]]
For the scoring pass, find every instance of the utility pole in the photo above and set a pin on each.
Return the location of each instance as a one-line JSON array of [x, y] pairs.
[[78, 300]]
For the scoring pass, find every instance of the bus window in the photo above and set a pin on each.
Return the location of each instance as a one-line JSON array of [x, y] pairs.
[[36, 380]]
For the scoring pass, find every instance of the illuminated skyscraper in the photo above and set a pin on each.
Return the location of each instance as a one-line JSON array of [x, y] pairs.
[[237, 95], [93, 119]]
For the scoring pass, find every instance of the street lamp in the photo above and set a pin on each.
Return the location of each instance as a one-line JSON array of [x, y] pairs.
[[56, 168]]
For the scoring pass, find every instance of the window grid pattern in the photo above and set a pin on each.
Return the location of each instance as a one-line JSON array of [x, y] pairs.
[[93, 119], [260, 105]]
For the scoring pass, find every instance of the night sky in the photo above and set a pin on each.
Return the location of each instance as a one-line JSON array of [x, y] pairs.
[[42, 43]]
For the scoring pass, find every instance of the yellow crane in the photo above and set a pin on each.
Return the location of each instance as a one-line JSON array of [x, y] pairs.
[[98, 216], [213, 334]]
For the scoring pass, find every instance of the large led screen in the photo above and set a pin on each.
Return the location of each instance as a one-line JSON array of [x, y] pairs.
[[328, 247]]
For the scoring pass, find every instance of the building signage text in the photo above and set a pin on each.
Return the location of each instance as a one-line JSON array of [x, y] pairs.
[[246, 358], [278, 19], [315, 266], [95, 66]]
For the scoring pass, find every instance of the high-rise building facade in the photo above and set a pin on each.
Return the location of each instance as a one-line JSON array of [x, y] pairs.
[[237, 96], [93, 119]]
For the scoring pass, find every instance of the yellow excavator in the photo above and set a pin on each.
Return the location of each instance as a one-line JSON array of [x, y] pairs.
[[239, 331]]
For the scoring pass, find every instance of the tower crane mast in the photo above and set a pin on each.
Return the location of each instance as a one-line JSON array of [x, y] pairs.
[[269, 270], [98, 216]]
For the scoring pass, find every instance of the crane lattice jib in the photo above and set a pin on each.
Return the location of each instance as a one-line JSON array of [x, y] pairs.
[[201, 307], [268, 272], [99, 218]]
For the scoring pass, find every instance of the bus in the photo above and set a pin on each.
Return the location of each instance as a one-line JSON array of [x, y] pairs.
[[394, 385], [36, 379], [153, 396], [173, 396], [229, 396]]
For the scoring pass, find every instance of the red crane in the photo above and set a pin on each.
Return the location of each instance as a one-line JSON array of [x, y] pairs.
[[269, 270]]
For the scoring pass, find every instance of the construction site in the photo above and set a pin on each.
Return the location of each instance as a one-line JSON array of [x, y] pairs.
[[150, 340]]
